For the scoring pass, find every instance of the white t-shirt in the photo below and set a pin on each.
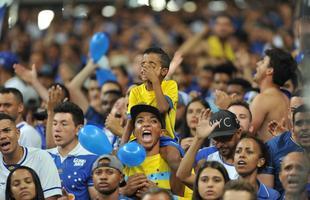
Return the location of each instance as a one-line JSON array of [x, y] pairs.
[[42, 163], [29, 136]]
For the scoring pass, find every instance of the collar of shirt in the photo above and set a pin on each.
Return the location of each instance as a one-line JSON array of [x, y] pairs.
[[262, 191]]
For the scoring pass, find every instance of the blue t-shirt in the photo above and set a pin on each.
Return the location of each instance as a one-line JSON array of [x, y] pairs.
[[278, 148], [94, 118], [265, 192], [212, 154], [75, 170], [122, 197]]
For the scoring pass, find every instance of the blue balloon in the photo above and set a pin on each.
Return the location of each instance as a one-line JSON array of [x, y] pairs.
[[131, 154], [99, 45], [94, 140]]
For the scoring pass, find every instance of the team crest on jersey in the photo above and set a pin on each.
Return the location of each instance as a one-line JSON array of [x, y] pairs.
[[79, 162]]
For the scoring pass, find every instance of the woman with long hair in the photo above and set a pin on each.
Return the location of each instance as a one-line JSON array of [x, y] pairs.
[[250, 157], [192, 112], [210, 181], [23, 183]]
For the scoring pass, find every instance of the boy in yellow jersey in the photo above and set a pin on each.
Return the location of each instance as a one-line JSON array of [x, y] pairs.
[[159, 93], [148, 128]]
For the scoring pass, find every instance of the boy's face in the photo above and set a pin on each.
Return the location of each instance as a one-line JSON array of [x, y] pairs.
[[151, 65], [147, 130]]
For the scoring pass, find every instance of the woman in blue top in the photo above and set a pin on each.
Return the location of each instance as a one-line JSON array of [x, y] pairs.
[[250, 156]]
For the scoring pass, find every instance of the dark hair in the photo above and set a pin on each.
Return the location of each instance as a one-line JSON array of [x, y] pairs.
[[156, 190], [262, 146], [122, 69], [4, 116], [208, 68], [115, 92], [63, 88], [241, 185], [164, 58], [17, 94], [185, 129], [113, 82], [240, 81], [209, 164], [73, 109], [243, 104], [283, 64], [225, 68], [39, 191], [300, 109]]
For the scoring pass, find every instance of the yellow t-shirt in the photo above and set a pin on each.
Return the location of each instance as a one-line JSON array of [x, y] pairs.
[[155, 168], [140, 95], [217, 50]]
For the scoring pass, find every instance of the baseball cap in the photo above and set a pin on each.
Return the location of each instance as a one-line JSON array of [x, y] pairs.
[[113, 162], [227, 126], [7, 60], [135, 110]]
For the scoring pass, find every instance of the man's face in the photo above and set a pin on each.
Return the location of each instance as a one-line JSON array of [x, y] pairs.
[[10, 106], [261, 67], [64, 129], [147, 130], [107, 102], [234, 194], [151, 61], [106, 180], [227, 144], [236, 89], [301, 129], [220, 81], [205, 79], [159, 196], [294, 173], [223, 27], [9, 136], [243, 116]]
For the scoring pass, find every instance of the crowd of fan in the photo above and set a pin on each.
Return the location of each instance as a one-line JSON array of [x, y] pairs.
[[225, 118]]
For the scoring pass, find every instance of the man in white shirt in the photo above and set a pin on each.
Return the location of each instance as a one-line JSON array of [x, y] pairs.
[[11, 103], [13, 155]]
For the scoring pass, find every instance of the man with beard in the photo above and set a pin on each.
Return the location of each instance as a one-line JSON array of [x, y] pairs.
[[271, 103], [226, 134], [108, 177], [294, 175], [280, 146]]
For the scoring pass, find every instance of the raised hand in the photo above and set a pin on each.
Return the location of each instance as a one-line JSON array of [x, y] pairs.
[[55, 96], [25, 74], [204, 128]]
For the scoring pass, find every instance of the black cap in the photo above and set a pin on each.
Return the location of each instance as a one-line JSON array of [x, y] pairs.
[[228, 124], [135, 110]]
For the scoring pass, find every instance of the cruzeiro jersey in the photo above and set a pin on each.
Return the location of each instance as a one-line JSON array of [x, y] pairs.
[[75, 171]]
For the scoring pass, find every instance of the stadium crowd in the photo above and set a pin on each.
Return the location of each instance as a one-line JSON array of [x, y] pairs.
[[214, 98]]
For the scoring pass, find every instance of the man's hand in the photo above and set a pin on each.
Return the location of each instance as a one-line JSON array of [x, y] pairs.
[[114, 124], [25, 74], [204, 128], [186, 143], [150, 74], [275, 128], [134, 182], [222, 99], [54, 97]]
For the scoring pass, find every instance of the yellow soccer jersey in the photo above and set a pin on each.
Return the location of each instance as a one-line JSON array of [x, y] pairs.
[[217, 50], [139, 95], [155, 168]]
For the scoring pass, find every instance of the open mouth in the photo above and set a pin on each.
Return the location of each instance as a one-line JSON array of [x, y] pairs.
[[5, 144], [241, 163], [146, 136]]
